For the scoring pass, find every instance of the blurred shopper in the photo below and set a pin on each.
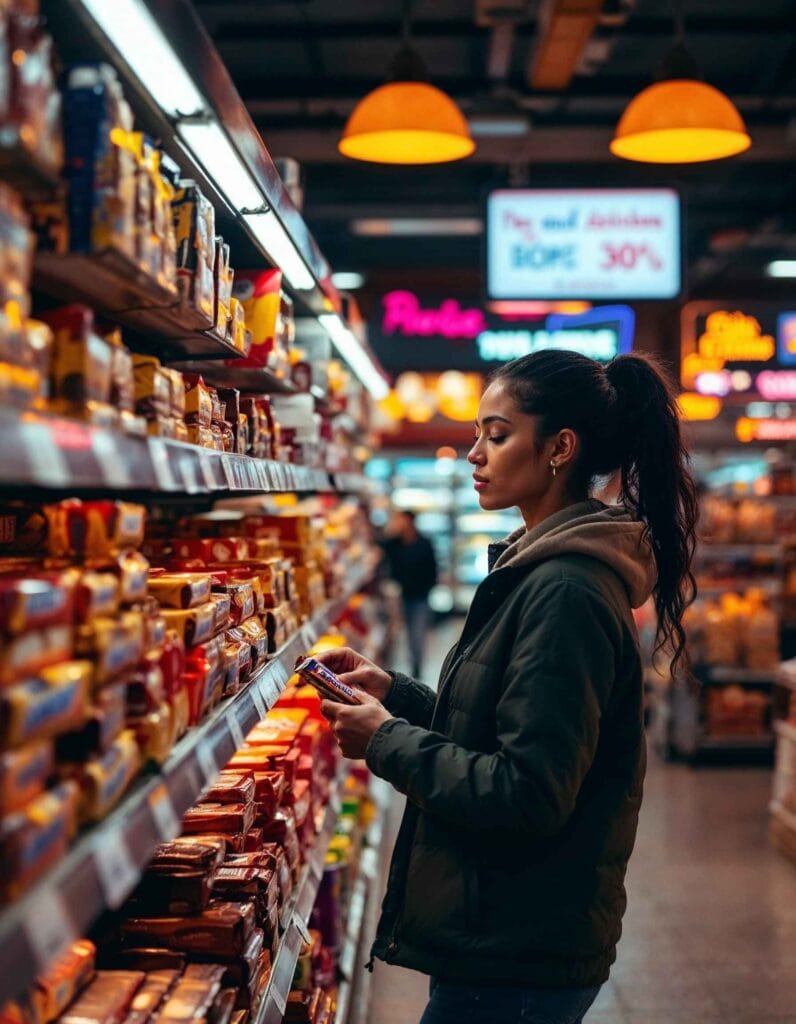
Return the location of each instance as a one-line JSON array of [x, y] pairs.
[[524, 773], [412, 564]]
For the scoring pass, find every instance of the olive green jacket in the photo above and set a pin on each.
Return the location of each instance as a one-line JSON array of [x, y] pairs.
[[524, 772]]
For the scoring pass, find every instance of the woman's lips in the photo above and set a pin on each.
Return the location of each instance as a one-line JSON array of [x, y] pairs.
[[480, 484]]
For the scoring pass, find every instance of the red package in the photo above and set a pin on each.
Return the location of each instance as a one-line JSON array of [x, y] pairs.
[[37, 601]]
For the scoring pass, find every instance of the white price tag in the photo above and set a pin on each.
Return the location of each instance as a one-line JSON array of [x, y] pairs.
[[47, 926], [206, 756], [166, 820], [159, 454], [188, 473], [115, 470], [116, 870], [48, 466], [207, 471], [302, 929], [229, 470], [259, 703], [280, 1001], [235, 730]]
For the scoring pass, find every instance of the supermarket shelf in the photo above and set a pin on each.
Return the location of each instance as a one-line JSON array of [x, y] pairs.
[[21, 168], [105, 864], [272, 1006], [757, 552], [787, 675], [773, 588], [730, 674], [117, 286], [353, 483], [257, 380], [43, 451]]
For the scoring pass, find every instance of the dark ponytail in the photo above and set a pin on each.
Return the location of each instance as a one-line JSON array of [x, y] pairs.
[[625, 416]]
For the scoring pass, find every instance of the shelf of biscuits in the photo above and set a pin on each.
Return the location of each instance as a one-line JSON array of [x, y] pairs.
[[135, 658]]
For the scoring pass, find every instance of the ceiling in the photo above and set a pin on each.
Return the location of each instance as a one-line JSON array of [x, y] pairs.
[[301, 66]]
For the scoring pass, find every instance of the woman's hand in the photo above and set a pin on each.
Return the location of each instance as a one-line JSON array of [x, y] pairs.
[[354, 670], [353, 727]]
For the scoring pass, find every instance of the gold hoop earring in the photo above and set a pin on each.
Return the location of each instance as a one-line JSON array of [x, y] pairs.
[[553, 467]]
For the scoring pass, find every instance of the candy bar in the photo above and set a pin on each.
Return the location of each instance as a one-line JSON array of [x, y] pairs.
[[55, 702], [81, 367], [97, 594], [33, 651], [172, 890], [103, 780], [34, 838], [35, 602], [55, 989], [114, 645], [93, 529], [106, 1000], [154, 733], [106, 719], [224, 929], [210, 550], [231, 788], [326, 682], [192, 625], [198, 401], [23, 774], [190, 853], [180, 590], [164, 961], [132, 569], [218, 818], [150, 996]]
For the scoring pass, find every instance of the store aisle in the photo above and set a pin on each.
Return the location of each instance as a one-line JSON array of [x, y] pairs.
[[711, 924]]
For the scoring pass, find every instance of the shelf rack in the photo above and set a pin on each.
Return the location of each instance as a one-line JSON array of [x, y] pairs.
[[105, 863], [65, 455]]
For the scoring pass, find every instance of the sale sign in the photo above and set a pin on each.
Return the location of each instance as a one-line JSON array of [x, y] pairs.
[[583, 244]]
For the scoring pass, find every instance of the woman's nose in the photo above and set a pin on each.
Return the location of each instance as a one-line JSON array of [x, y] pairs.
[[474, 455]]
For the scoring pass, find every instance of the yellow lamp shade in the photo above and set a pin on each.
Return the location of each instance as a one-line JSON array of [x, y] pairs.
[[680, 121], [406, 123]]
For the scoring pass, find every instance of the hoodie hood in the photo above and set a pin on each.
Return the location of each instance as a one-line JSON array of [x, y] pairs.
[[607, 533]]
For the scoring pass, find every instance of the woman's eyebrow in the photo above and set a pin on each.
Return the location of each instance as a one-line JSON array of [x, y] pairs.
[[493, 419]]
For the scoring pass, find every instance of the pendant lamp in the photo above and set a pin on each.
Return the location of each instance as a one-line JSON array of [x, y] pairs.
[[406, 121], [680, 119]]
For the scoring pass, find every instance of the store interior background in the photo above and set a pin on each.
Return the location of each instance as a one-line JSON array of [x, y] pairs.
[[301, 68]]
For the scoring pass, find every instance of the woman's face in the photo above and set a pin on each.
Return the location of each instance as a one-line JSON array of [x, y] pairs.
[[509, 470]]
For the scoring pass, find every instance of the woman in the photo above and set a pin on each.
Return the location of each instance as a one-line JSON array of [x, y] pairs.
[[524, 772]]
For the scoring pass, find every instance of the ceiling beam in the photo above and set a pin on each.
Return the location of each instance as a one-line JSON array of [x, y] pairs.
[[565, 28]]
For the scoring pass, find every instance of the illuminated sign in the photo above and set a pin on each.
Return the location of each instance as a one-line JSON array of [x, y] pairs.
[[468, 337], [600, 244], [693, 407], [747, 430], [729, 352]]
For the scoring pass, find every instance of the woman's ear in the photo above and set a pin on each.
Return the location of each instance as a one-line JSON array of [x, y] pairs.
[[566, 447]]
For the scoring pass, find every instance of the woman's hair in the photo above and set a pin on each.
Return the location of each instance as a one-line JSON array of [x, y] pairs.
[[625, 417]]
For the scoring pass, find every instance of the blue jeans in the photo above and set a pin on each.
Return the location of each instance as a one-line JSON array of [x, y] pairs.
[[453, 1003], [417, 615]]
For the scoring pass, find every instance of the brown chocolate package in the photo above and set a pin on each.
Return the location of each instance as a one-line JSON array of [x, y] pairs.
[[170, 890], [224, 928], [256, 884], [189, 852], [223, 1008], [191, 1000], [231, 788], [233, 970], [106, 1000], [224, 818], [150, 996], [161, 960]]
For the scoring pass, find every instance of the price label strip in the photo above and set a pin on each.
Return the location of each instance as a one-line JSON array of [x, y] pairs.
[[207, 471], [188, 473], [47, 926], [159, 454], [166, 820], [206, 756], [114, 468], [117, 873], [48, 466], [235, 730], [259, 702], [301, 928], [280, 1000]]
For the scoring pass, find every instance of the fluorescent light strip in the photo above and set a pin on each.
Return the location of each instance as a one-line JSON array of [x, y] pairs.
[[134, 32], [216, 155], [279, 246], [781, 268], [348, 280], [349, 348]]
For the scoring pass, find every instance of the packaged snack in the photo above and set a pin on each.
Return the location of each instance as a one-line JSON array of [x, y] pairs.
[[172, 890], [34, 838], [259, 292], [104, 722], [123, 391], [93, 529], [97, 594], [103, 780], [20, 386], [149, 997], [132, 570], [55, 989], [43, 707], [192, 625], [231, 788], [106, 1000], [198, 400], [114, 645], [194, 229], [154, 733], [82, 361], [152, 387], [180, 590], [326, 682], [36, 601], [164, 961], [223, 276], [223, 929], [24, 773], [188, 852]]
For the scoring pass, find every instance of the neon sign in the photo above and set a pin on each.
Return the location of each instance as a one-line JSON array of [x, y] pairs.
[[747, 429], [735, 337], [403, 314], [777, 385]]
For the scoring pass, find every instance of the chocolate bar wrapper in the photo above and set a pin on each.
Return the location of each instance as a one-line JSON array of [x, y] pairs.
[[180, 590], [163, 961], [114, 645], [55, 989], [198, 401], [253, 839], [150, 996], [24, 773], [258, 885], [193, 625], [223, 928], [242, 602], [34, 838], [173, 891], [106, 1000], [191, 1000], [231, 788], [223, 818], [55, 702], [132, 569], [36, 602], [211, 550], [103, 780], [97, 595], [106, 719], [93, 529], [33, 651], [190, 853], [234, 842], [222, 605], [154, 733]]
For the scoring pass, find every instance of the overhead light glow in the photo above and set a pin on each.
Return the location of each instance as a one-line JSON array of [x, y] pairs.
[[411, 227], [498, 127], [215, 154], [278, 245], [781, 268], [348, 281], [132, 29], [357, 358]]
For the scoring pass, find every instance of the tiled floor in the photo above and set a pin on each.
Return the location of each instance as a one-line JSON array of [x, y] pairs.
[[710, 932]]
